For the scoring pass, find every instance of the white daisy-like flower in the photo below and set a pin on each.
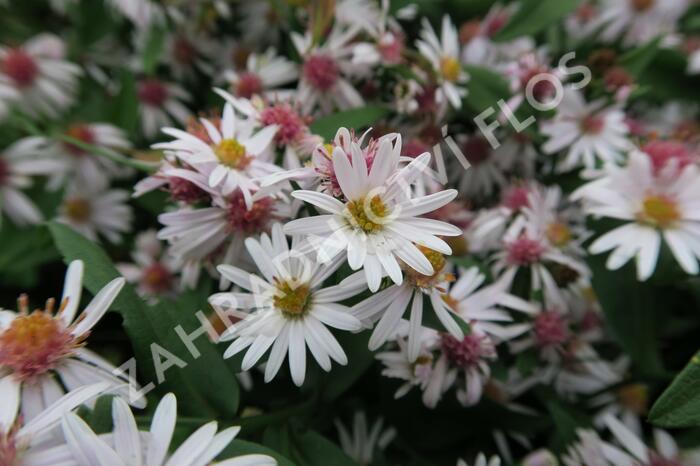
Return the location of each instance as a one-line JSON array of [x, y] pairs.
[[153, 270], [481, 460], [92, 212], [429, 374], [586, 132], [220, 229], [231, 154], [35, 77], [388, 306], [289, 307], [658, 206], [263, 74], [378, 222], [30, 442], [292, 135], [444, 55], [20, 162], [487, 172], [361, 442], [629, 449], [126, 445], [186, 52], [41, 351], [639, 21], [83, 166], [160, 103], [325, 74]]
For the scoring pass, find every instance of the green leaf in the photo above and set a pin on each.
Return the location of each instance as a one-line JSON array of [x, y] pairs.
[[206, 383], [679, 405], [629, 307], [637, 60], [125, 110], [341, 378], [486, 88], [534, 16], [316, 450], [153, 49], [357, 118]]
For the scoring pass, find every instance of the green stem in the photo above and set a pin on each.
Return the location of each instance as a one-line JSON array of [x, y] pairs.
[[108, 154]]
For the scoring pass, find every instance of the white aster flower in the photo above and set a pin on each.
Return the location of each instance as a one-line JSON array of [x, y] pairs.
[[326, 72], [586, 132], [42, 352], [658, 206], [378, 222], [153, 270], [26, 442], [231, 154], [84, 166], [160, 103], [289, 308], [444, 55], [92, 212], [639, 21], [263, 74], [128, 446], [362, 442], [35, 78], [18, 164]]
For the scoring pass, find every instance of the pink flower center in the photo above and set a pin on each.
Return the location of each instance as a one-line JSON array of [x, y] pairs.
[[592, 124], [476, 150], [516, 198], [35, 343], [391, 47], [586, 12], [82, 133], [524, 251], [4, 172], [550, 329], [496, 23], [20, 67], [184, 51], [152, 92], [657, 460], [291, 125], [248, 85], [662, 152], [185, 191], [470, 351], [542, 88], [249, 221], [414, 148], [321, 71], [157, 278]]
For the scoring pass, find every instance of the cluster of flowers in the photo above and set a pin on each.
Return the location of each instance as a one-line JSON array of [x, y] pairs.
[[482, 291]]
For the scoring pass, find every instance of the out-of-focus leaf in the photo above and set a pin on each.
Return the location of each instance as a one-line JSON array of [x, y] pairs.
[[316, 450], [485, 88], [205, 382], [356, 118], [125, 110], [629, 307], [153, 49], [637, 60], [679, 405], [534, 16], [360, 359]]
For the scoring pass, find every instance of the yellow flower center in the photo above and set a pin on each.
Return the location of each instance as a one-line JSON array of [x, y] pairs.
[[438, 261], [450, 68], [231, 153], [35, 342], [659, 211], [558, 234], [78, 209], [368, 214], [634, 397], [292, 298]]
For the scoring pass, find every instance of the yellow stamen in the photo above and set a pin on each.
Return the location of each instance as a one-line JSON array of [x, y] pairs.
[[659, 211], [292, 299], [78, 209], [231, 153], [450, 68], [368, 214]]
